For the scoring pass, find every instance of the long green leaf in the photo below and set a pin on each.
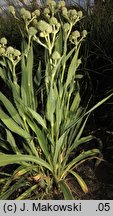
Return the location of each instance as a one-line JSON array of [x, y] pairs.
[[27, 193], [66, 190], [51, 105], [79, 142], [21, 183], [11, 109], [58, 147], [4, 144], [89, 111], [12, 142], [40, 137], [72, 68], [30, 96], [15, 159], [80, 157], [3, 74], [80, 181], [13, 126], [59, 43], [37, 117], [76, 102]]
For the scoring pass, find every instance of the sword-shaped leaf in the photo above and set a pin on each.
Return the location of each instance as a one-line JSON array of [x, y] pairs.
[[37, 117], [72, 68], [66, 190], [51, 105], [11, 109], [12, 142], [80, 181], [6, 159], [12, 125], [83, 155]]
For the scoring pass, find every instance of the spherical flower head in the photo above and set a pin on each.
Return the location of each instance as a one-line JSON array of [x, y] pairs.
[[53, 21], [17, 53], [73, 14], [84, 33], [61, 4], [66, 27], [12, 10], [42, 34], [2, 51], [58, 25], [27, 14], [34, 22], [64, 11], [46, 11], [44, 26], [48, 2], [80, 14], [49, 29], [37, 12], [51, 3], [32, 31], [3, 41], [76, 34], [10, 50], [56, 55], [22, 11]]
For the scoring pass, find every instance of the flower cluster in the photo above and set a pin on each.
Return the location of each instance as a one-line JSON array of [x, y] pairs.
[[71, 15], [3, 43], [51, 4], [45, 30], [25, 14], [76, 36], [8, 51], [61, 4], [44, 27]]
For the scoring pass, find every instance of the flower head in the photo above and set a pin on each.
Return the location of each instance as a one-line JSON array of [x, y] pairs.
[[34, 22], [2, 51], [12, 10], [10, 50], [32, 31], [44, 26], [53, 21], [84, 33], [66, 27], [56, 55], [37, 12], [75, 34], [46, 11], [27, 14], [80, 14], [22, 11], [17, 53], [61, 4], [3, 41], [51, 3], [64, 11]]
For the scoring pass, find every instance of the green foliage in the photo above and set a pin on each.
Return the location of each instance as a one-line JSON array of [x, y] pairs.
[[49, 125]]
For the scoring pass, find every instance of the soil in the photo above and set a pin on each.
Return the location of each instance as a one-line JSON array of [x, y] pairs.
[[99, 181]]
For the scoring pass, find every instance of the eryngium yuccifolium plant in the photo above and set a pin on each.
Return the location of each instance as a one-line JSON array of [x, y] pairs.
[[50, 123]]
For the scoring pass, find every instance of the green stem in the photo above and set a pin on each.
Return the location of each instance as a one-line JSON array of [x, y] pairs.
[[14, 74]]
